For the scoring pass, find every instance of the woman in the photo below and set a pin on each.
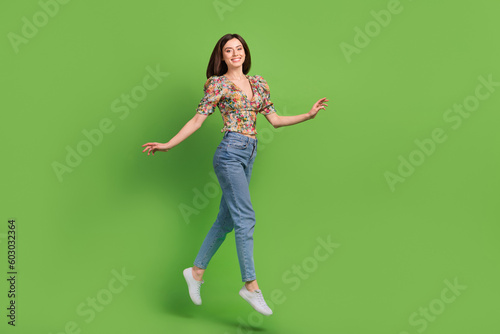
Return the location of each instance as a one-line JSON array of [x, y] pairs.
[[239, 98]]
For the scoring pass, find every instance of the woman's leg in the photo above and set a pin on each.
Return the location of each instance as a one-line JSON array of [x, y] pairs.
[[252, 284], [251, 292], [215, 237], [233, 172], [221, 227]]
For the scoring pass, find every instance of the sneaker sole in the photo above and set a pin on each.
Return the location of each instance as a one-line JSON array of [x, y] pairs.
[[246, 299]]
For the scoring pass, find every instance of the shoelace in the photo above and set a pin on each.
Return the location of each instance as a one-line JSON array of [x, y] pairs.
[[198, 286], [260, 299]]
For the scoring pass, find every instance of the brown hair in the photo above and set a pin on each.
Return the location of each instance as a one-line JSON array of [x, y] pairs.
[[217, 65]]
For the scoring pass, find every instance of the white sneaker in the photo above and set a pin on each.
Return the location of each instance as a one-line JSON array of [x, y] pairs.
[[193, 285], [256, 299]]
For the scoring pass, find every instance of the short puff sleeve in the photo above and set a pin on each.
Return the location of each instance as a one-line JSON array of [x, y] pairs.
[[267, 106], [213, 93]]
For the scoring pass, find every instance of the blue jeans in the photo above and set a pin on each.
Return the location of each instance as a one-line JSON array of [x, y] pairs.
[[233, 162]]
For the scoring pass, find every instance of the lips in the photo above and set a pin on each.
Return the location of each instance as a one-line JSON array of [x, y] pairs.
[[236, 59]]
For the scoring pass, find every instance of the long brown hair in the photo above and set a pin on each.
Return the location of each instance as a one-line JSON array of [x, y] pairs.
[[217, 65]]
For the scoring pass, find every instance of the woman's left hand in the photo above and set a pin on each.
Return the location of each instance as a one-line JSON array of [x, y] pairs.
[[317, 106]]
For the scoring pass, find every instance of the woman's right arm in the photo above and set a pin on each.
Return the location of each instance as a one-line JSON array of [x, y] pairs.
[[187, 130]]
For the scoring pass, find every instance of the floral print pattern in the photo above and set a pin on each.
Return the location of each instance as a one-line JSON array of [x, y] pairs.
[[239, 113]]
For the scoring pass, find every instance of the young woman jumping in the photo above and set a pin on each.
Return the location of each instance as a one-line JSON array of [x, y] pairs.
[[239, 98]]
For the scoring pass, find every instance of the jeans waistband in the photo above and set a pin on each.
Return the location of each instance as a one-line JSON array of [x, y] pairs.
[[231, 134]]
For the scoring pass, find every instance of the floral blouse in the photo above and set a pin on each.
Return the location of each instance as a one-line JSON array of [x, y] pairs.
[[239, 113]]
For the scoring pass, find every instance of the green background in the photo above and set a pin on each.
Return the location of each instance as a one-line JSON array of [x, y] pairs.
[[119, 209]]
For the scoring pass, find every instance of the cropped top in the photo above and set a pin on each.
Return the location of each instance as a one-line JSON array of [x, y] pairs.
[[239, 113]]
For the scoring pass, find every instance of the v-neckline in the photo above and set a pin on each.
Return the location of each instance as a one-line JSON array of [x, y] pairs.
[[241, 90]]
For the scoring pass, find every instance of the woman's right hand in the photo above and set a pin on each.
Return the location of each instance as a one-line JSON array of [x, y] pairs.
[[153, 147]]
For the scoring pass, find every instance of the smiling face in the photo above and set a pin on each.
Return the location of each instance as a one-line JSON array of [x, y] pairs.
[[233, 53]]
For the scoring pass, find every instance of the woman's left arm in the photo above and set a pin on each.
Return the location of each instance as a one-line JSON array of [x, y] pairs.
[[278, 121]]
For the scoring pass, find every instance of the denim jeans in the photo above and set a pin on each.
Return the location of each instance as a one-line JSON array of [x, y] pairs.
[[233, 162]]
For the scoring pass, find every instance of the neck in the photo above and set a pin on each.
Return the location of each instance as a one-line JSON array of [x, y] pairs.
[[235, 74]]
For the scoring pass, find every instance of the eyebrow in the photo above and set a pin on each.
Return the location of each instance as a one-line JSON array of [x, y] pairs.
[[228, 47]]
